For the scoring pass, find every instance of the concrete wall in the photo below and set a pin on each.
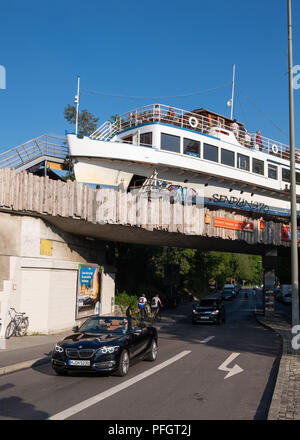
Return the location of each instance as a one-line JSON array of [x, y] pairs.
[[39, 272]]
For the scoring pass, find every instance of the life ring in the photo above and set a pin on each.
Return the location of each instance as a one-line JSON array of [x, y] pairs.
[[193, 122], [274, 149]]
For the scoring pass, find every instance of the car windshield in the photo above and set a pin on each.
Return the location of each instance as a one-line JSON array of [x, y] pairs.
[[99, 324], [207, 303]]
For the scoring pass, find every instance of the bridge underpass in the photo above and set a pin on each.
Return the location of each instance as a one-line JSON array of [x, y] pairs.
[[71, 216]]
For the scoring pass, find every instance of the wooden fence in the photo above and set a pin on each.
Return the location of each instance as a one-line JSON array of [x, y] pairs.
[[26, 193]]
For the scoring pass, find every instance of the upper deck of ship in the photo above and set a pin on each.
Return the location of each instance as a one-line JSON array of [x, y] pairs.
[[200, 121]]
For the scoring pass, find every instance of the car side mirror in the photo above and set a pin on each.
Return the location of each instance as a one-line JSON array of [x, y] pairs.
[[75, 329]]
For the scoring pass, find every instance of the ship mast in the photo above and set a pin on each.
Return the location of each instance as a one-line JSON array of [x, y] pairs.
[[232, 93]]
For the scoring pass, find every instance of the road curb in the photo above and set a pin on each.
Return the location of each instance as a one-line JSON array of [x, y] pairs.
[[24, 365]]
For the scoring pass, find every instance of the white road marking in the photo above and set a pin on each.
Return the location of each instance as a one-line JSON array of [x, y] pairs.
[[233, 370], [209, 338], [96, 399]]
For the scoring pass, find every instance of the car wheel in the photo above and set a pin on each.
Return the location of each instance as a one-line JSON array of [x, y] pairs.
[[123, 364], [152, 355]]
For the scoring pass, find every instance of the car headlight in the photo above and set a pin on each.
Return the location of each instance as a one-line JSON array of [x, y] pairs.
[[108, 349], [215, 312], [58, 349]]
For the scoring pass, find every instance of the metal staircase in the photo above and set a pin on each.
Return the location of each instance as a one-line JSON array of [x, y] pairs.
[[37, 150], [106, 131]]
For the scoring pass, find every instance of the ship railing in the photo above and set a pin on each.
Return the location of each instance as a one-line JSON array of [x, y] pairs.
[[185, 119], [50, 146]]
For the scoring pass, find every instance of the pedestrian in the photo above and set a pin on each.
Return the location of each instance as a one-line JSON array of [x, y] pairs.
[[258, 141], [235, 129]]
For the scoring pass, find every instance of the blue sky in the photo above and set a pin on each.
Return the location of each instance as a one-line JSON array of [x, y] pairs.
[[144, 48]]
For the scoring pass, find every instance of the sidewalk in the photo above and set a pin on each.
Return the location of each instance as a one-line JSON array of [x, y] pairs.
[[285, 403]]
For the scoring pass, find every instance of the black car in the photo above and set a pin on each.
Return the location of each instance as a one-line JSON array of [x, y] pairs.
[[105, 344], [209, 310], [227, 294]]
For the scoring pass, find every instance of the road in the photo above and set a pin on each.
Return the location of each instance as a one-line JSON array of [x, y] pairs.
[[203, 372]]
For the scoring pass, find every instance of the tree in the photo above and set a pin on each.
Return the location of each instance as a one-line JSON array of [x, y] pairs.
[[87, 122]]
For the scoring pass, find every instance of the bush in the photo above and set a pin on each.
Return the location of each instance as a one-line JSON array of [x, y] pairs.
[[124, 300]]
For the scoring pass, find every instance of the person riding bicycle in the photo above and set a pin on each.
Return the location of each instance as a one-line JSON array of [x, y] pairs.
[[142, 303], [156, 304]]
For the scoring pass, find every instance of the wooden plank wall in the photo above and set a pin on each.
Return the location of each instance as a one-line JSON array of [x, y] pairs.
[[24, 192]]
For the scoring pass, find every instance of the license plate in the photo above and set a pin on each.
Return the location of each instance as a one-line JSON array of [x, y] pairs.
[[204, 317], [79, 363]]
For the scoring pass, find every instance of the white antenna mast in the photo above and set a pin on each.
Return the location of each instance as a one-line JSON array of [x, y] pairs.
[[76, 101], [232, 95]]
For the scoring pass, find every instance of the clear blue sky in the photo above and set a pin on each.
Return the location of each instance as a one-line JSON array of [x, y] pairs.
[[144, 48]]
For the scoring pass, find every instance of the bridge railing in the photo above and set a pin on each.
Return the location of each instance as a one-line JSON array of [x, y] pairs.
[[44, 145]]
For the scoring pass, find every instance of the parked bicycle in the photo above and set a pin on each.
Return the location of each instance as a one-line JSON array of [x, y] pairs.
[[18, 324]]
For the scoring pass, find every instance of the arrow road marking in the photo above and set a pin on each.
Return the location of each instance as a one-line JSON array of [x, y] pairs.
[[233, 370], [204, 341]]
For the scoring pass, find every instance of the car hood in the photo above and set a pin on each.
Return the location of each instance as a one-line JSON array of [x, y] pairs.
[[206, 308], [86, 340]]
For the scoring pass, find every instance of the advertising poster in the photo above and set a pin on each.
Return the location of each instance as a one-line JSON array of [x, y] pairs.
[[237, 225], [88, 291]]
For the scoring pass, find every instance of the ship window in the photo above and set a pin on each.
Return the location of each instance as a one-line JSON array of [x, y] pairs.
[[146, 139], [258, 166], [170, 142], [227, 157], [210, 152], [285, 175], [272, 172], [191, 147], [243, 162]]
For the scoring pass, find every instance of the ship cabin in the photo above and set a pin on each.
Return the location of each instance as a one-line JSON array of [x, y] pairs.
[[205, 135]]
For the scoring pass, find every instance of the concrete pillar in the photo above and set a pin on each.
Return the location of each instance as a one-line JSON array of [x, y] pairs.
[[269, 265]]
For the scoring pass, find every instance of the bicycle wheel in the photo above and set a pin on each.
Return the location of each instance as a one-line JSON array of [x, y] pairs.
[[23, 326], [10, 329]]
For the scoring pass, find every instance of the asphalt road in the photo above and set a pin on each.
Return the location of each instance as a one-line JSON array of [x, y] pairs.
[[203, 372]]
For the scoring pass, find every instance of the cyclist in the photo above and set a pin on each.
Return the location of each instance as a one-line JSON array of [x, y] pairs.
[[156, 304], [142, 303]]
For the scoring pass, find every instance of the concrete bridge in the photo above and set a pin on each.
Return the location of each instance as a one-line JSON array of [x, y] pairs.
[[50, 230], [113, 215]]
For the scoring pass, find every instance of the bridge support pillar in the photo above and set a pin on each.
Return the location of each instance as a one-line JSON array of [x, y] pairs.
[[269, 265]]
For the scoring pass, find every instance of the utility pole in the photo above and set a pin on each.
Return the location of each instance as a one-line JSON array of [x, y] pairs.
[[293, 198], [76, 101]]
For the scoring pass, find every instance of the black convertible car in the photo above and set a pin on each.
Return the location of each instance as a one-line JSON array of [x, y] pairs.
[[105, 343]]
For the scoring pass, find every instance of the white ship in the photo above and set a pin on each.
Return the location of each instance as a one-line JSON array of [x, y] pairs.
[[197, 150]]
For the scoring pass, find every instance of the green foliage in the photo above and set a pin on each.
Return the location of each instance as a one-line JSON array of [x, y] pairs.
[[141, 269], [87, 122], [124, 300]]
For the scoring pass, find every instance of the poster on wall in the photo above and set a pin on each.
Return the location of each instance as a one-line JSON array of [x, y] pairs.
[[88, 291], [237, 225]]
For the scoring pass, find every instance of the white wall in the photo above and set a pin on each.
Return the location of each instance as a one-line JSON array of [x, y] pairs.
[[45, 286]]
